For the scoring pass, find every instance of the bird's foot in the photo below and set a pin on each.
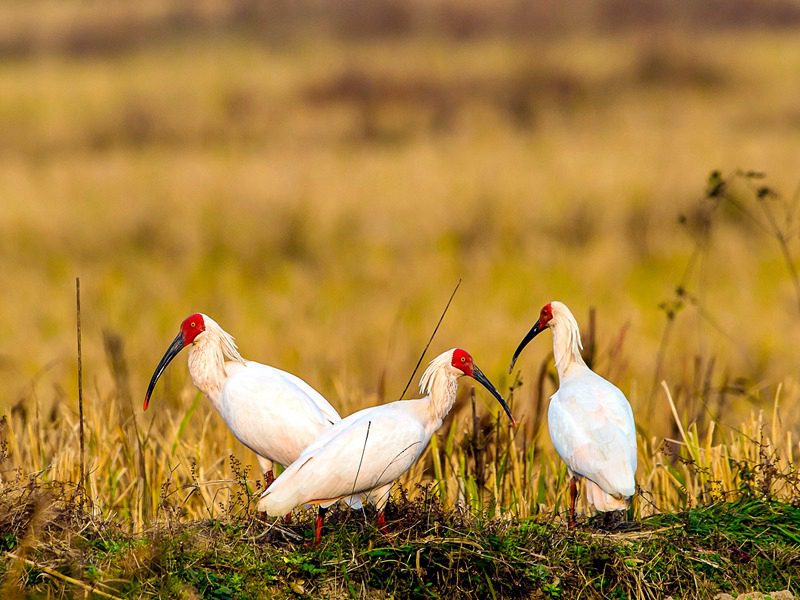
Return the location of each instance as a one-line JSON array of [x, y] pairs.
[[317, 537], [614, 520]]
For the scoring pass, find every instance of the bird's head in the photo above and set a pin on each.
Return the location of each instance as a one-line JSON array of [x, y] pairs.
[[550, 315], [462, 362], [192, 326]]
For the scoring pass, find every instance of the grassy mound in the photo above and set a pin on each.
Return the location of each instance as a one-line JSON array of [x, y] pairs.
[[56, 549]]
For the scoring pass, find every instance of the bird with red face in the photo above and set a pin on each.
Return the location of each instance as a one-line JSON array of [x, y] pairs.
[[589, 419], [272, 412], [368, 450]]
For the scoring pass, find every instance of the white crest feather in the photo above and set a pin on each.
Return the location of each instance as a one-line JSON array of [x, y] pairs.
[[440, 382], [430, 377], [225, 346], [567, 349]]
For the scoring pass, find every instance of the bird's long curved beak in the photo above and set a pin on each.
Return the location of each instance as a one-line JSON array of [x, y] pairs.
[[175, 347], [478, 376], [535, 330]]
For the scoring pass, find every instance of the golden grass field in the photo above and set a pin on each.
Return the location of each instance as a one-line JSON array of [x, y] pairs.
[[320, 195]]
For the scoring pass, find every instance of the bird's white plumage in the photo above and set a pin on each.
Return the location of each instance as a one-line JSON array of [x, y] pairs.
[[590, 421], [272, 412], [333, 466], [368, 449], [591, 425]]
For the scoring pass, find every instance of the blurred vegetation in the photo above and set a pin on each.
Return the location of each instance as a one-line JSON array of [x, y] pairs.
[[317, 176]]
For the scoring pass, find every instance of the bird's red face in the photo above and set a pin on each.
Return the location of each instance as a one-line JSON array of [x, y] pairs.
[[545, 315], [191, 327], [463, 362]]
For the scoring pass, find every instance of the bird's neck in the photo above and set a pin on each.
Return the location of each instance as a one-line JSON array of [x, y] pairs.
[[567, 348], [441, 397], [207, 368]]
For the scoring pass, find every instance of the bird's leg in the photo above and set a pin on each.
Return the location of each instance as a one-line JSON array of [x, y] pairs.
[[320, 520], [573, 496], [287, 518], [380, 498], [382, 522], [266, 469]]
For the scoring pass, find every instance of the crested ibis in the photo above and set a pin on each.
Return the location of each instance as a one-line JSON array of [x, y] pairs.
[[272, 412], [366, 451], [589, 419]]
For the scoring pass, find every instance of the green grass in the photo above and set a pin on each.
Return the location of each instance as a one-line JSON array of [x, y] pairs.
[[748, 545]]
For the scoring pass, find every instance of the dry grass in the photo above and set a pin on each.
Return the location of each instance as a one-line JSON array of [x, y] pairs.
[[320, 191], [144, 471], [432, 551]]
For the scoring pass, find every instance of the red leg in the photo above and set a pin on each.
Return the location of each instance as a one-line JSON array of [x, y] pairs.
[[287, 518], [382, 523], [573, 496], [318, 529], [269, 477]]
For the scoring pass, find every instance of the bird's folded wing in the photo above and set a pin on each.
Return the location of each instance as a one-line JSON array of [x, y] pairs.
[[596, 439], [315, 397], [366, 450], [270, 385]]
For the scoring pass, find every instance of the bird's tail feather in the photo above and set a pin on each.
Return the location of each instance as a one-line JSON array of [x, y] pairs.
[[603, 501], [276, 506]]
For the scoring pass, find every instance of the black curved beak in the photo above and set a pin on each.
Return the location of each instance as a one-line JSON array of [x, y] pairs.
[[175, 347], [535, 330], [478, 376]]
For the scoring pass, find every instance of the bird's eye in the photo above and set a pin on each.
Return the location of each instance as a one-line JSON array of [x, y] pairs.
[[463, 359], [191, 324]]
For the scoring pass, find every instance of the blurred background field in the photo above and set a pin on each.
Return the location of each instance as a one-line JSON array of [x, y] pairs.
[[317, 176]]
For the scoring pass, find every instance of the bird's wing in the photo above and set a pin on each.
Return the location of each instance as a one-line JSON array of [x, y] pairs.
[[366, 450], [591, 425], [290, 387], [274, 413], [313, 396]]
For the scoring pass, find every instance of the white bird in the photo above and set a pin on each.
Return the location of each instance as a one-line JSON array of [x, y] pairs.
[[272, 412], [371, 448], [589, 419]]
